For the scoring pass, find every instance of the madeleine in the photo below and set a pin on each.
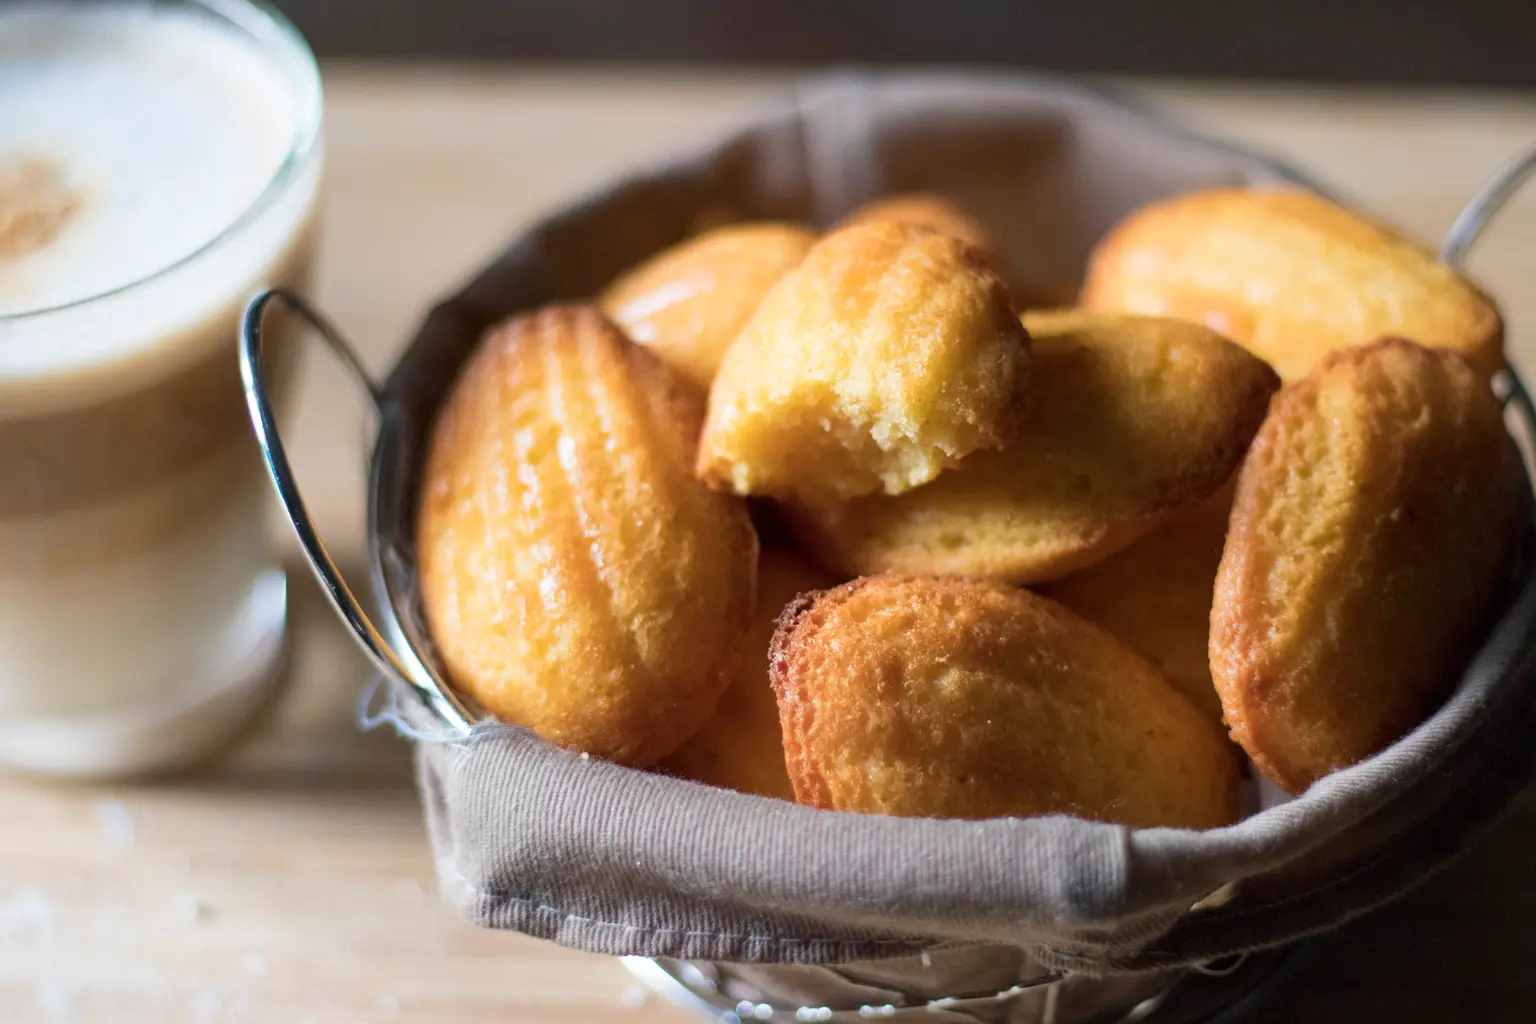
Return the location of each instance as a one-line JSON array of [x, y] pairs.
[[740, 746], [926, 210], [1133, 419], [688, 303], [1291, 276], [576, 577], [1371, 535], [1155, 596], [887, 355], [952, 698]]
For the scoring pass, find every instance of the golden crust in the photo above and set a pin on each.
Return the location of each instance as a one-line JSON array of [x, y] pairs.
[[688, 303], [952, 698], [576, 577], [1370, 537], [1133, 418], [740, 747], [1155, 596], [888, 354], [1289, 275]]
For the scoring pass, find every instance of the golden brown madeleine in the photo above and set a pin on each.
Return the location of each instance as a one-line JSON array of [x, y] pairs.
[[888, 354], [1372, 531], [952, 698], [577, 578], [1155, 596], [1289, 275], [688, 303], [1132, 419], [740, 747]]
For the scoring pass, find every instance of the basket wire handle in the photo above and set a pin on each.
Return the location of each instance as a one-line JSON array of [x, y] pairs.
[[264, 422], [1484, 207]]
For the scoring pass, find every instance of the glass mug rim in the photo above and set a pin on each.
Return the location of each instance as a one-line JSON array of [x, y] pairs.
[[276, 37]]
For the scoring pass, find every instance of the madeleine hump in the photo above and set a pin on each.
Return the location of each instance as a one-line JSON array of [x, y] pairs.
[[1133, 418], [577, 578], [952, 698], [1371, 535], [886, 356]]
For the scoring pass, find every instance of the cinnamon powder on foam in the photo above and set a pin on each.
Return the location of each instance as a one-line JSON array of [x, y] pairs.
[[35, 205]]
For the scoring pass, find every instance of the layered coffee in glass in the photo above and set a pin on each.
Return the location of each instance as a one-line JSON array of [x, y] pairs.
[[159, 162]]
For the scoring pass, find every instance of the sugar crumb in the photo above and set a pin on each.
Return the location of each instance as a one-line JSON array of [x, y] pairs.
[[190, 909], [56, 1001], [114, 824], [28, 916]]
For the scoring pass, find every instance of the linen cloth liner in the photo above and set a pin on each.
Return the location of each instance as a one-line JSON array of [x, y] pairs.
[[611, 860]]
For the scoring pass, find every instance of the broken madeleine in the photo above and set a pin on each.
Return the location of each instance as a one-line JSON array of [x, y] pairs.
[[688, 303], [740, 747], [1291, 276], [952, 698], [1155, 596], [1132, 419], [1372, 532], [887, 355], [576, 577]]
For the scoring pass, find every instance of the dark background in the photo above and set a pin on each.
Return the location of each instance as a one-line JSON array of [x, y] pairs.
[[1479, 42]]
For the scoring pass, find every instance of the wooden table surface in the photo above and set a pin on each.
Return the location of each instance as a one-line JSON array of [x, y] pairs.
[[293, 882]]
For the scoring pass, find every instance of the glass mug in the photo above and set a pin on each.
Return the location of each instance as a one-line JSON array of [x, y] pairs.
[[159, 162]]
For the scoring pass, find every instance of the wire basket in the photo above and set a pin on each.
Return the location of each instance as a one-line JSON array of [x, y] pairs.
[[986, 981]]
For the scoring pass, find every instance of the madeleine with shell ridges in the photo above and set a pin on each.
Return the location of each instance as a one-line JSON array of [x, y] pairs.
[[887, 355], [1133, 418], [1371, 536], [956, 698], [576, 577], [688, 303], [1291, 276], [740, 747]]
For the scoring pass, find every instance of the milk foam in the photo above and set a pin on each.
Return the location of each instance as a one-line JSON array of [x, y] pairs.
[[169, 131], [164, 126]]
